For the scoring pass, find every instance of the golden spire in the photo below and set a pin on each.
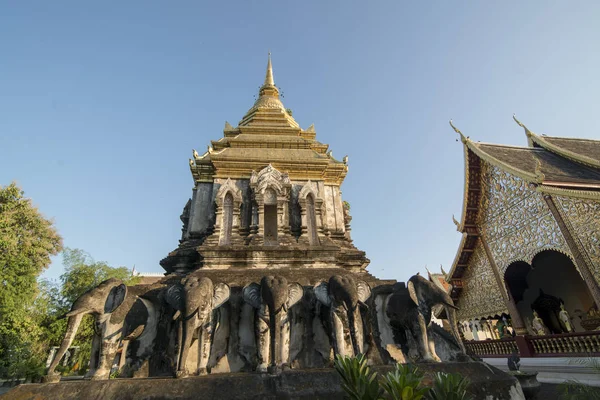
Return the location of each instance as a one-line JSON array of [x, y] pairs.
[[268, 88], [269, 77]]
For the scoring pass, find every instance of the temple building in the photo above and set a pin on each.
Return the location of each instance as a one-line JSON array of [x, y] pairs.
[[264, 192], [529, 258]]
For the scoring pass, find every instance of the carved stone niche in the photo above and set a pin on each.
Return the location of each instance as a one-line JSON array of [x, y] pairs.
[[272, 196], [312, 214], [227, 211]]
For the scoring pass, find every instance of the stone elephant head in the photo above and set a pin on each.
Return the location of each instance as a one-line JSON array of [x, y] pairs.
[[344, 295], [195, 298], [110, 303], [273, 299], [410, 309]]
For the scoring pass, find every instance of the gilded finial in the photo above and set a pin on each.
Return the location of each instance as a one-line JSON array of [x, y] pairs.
[[443, 272], [527, 131], [345, 159], [210, 149], [195, 153], [539, 175], [269, 81], [228, 126], [191, 162], [330, 153], [455, 221], [462, 137]]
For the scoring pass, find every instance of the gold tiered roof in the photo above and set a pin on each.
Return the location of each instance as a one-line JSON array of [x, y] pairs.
[[268, 134]]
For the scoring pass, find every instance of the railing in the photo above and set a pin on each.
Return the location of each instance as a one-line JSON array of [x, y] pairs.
[[563, 345], [566, 344], [491, 348]]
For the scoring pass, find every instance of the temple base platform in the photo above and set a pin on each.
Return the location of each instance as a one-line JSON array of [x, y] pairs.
[[487, 383]]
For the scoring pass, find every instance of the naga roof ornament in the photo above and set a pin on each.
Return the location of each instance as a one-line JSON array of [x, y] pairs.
[[462, 137]]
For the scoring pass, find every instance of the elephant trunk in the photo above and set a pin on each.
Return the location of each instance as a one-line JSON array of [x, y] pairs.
[[72, 326], [187, 331], [355, 325], [451, 314], [275, 337]]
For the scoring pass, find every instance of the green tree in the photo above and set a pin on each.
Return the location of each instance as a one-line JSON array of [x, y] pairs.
[[27, 240]]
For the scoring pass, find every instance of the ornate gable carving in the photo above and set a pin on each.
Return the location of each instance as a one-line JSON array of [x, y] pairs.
[[480, 297], [229, 186], [515, 220], [309, 188], [584, 218], [269, 177]]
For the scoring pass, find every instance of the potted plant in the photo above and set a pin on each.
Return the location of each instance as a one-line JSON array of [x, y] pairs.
[[528, 380]]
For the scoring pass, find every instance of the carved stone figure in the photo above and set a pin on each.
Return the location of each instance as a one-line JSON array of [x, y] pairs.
[[120, 314], [538, 325], [409, 311], [344, 296], [565, 319], [195, 299], [272, 300]]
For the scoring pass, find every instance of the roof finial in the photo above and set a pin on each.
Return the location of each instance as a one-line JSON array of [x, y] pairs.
[[527, 131], [462, 137], [269, 77]]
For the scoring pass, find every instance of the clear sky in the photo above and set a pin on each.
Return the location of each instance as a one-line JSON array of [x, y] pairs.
[[101, 104]]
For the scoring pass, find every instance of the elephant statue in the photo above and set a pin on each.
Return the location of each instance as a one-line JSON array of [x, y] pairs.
[[344, 295], [120, 313], [272, 299], [409, 309], [195, 298]]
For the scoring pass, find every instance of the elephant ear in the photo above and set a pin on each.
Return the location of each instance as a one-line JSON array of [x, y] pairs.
[[222, 292], [422, 305], [175, 297], [322, 293], [251, 295], [364, 290], [413, 293], [295, 293], [115, 298]]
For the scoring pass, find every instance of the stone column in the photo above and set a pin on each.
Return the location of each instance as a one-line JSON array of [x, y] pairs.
[[517, 321], [578, 253]]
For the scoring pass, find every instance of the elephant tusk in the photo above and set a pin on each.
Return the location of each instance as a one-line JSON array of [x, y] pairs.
[[451, 306], [177, 315]]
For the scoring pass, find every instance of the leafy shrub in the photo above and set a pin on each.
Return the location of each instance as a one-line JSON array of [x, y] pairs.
[[404, 383], [449, 387], [357, 380], [575, 390]]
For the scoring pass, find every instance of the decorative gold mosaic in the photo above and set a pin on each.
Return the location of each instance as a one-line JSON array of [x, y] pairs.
[[584, 218], [480, 296], [516, 221]]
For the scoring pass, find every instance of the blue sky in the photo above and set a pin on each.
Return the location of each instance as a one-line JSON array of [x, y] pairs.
[[101, 104]]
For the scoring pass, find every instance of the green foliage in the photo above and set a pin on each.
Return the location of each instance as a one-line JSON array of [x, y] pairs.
[[449, 387], [357, 380], [27, 240], [575, 390], [289, 111], [404, 383]]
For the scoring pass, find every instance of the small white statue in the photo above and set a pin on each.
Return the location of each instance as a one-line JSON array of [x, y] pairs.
[[538, 325], [565, 319]]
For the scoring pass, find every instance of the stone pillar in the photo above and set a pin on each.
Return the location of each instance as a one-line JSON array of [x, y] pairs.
[[517, 321], [578, 253]]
